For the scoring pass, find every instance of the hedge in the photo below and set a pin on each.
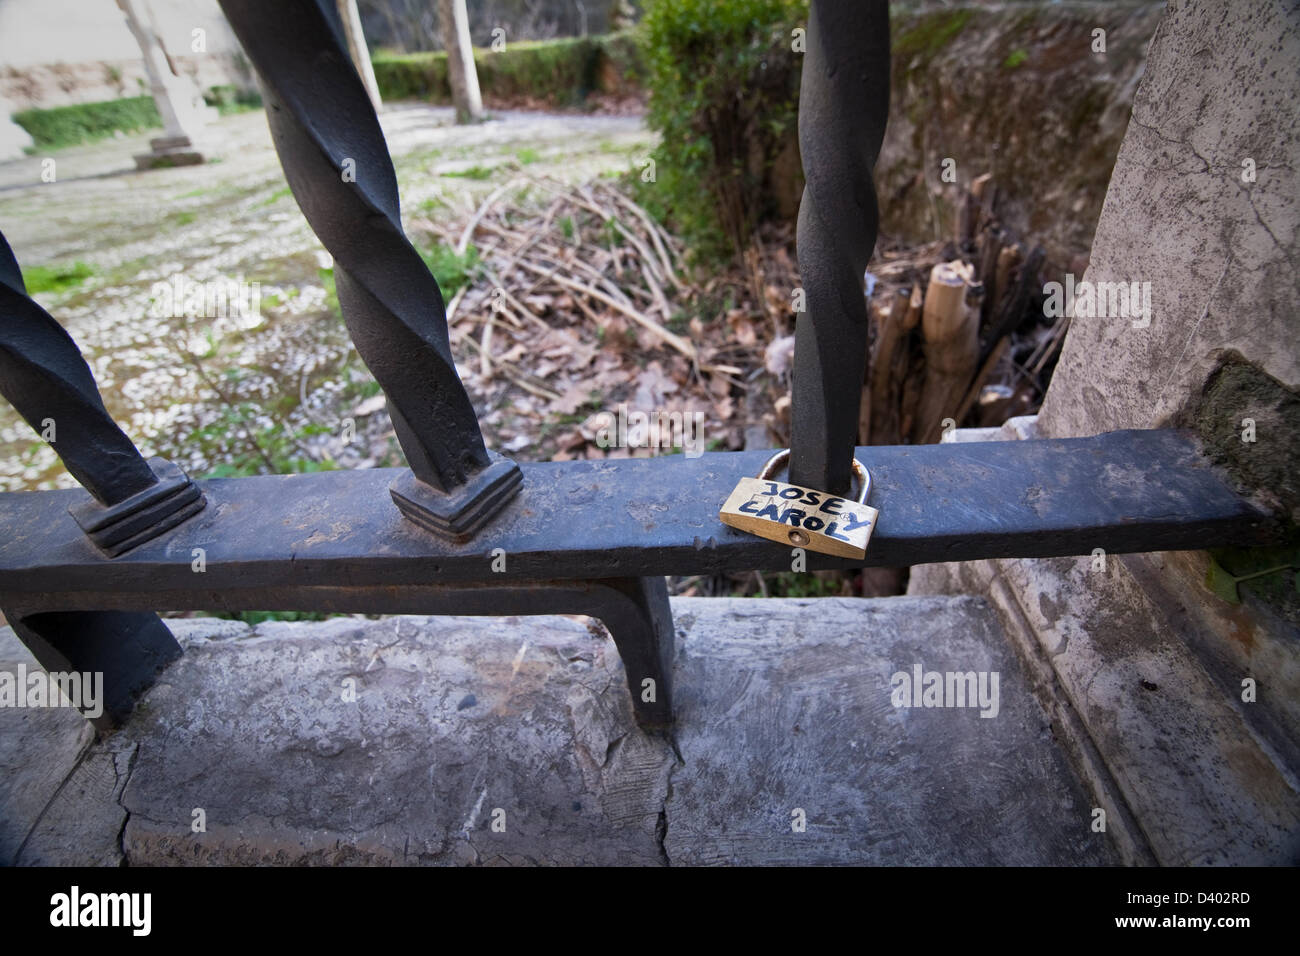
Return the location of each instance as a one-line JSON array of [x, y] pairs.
[[561, 72], [724, 98], [70, 125], [87, 122]]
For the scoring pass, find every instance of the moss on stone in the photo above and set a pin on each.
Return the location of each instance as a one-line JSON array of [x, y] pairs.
[[930, 33], [1015, 58], [1248, 421]]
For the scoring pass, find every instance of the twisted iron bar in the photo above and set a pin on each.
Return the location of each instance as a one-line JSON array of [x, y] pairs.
[[843, 108], [338, 166], [45, 378]]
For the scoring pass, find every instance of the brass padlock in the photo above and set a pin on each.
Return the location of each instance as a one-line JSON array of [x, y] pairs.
[[803, 517]]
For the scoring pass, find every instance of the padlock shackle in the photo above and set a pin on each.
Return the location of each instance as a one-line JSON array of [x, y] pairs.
[[777, 461]]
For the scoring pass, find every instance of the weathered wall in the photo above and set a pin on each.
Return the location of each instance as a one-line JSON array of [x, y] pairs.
[[1151, 661], [66, 84], [1220, 253], [63, 52], [1016, 91]]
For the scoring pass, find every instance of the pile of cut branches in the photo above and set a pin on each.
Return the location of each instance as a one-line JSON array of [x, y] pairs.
[[579, 301]]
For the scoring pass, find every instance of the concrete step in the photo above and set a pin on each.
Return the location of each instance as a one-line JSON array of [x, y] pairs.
[[511, 741]]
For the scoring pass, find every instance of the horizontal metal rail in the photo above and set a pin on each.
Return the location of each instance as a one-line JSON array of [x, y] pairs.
[[310, 541]]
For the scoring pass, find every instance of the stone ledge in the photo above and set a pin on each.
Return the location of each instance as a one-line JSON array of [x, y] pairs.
[[783, 705]]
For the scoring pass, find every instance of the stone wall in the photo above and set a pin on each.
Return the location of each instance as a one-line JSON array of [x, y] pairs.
[[1019, 92], [66, 84], [1186, 706], [65, 52]]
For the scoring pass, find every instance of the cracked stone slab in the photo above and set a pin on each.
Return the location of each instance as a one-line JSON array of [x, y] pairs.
[[38, 750], [82, 826], [403, 740], [399, 741], [786, 717]]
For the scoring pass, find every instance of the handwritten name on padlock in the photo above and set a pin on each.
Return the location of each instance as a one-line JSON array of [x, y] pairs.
[[803, 517]]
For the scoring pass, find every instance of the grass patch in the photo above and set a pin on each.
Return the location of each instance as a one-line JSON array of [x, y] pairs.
[[271, 450], [331, 290], [275, 197], [527, 156], [451, 270], [474, 172], [56, 278], [806, 585], [231, 99]]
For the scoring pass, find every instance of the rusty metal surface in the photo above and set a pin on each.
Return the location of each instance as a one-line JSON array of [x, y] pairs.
[[843, 107], [268, 540]]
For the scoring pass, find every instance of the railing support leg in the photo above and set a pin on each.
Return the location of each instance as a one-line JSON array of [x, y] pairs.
[[128, 648], [641, 623]]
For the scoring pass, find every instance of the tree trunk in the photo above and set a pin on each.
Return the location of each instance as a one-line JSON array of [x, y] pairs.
[[357, 49], [453, 21]]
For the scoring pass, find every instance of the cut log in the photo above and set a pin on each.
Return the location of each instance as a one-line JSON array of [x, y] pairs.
[[1008, 259], [914, 309], [1012, 311], [886, 370], [989, 252], [982, 376], [951, 335]]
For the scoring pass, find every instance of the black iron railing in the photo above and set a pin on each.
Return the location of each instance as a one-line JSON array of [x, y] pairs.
[[463, 531]]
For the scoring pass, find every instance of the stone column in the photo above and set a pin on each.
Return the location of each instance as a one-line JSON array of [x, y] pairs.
[[179, 103], [14, 140]]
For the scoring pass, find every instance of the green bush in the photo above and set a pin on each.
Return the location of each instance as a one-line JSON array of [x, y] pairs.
[[412, 76], [560, 72], [87, 122], [724, 95], [232, 99]]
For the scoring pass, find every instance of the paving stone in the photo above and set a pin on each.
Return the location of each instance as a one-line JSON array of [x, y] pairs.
[[38, 749], [454, 741]]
